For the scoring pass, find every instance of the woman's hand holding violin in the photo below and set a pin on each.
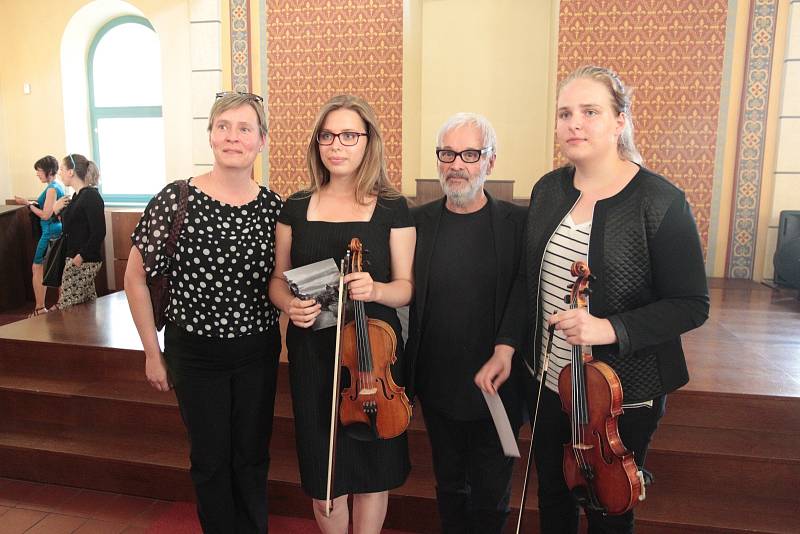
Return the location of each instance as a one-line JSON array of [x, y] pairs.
[[362, 287], [581, 328], [303, 312]]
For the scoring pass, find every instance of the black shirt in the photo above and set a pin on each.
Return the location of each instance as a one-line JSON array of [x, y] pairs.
[[84, 224], [458, 336]]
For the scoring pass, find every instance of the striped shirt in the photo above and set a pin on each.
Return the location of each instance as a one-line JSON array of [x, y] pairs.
[[570, 243]]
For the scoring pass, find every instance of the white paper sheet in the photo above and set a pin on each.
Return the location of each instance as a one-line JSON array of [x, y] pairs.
[[501, 423]]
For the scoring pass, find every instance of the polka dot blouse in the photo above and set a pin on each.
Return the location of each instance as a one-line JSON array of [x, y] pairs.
[[223, 260]]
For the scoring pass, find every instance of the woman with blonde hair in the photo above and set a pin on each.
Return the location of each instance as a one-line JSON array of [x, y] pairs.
[[635, 230], [349, 195], [84, 224], [221, 342]]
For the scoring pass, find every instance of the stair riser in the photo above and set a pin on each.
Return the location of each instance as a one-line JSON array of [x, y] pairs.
[[678, 474], [89, 363], [29, 410], [688, 408], [675, 472], [147, 480], [751, 413]]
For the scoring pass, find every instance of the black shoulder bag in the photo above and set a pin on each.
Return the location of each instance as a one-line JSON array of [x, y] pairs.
[[158, 284]]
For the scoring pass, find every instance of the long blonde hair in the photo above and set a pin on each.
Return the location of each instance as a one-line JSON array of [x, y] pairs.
[[620, 101], [371, 175]]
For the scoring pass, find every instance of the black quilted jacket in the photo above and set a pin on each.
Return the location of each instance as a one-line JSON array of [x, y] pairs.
[[651, 285]]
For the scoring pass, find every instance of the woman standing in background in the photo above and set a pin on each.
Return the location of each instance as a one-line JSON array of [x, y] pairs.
[[84, 224], [46, 171]]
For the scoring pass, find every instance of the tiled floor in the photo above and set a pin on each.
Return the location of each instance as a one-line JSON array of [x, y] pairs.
[[33, 508]]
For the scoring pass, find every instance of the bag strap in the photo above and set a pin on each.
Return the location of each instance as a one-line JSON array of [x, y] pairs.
[[177, 221]]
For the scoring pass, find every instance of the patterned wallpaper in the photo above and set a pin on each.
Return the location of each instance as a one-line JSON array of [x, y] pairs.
[[316, 50], [671, 52]]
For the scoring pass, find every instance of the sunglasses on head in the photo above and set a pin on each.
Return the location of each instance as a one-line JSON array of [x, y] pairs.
[[254, 96]]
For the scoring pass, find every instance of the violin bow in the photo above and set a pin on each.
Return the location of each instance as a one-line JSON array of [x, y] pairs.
[[545, 364], [337, 372]]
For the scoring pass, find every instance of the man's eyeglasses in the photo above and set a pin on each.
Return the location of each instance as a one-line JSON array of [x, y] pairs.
[[346, 138], [254, 96], [471, 155]]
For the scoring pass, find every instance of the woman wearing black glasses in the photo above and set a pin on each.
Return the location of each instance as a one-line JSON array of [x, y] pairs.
[[349, 195], [221, 343]]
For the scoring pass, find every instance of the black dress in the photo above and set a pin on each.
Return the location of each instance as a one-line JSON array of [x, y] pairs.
[[361, 466]]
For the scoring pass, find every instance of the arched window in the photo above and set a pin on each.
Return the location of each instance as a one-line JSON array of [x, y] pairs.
[[127, 126]]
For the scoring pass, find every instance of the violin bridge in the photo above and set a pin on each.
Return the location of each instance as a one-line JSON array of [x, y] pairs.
[[582, 446], [367, 391]]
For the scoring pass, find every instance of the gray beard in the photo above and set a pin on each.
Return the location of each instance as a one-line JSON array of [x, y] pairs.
[[462, 197]]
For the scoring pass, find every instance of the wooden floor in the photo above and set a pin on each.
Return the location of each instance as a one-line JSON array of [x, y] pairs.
[[750, 344], [80, 414]]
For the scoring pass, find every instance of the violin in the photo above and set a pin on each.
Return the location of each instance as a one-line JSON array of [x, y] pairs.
[[598, 469], [373, 406]]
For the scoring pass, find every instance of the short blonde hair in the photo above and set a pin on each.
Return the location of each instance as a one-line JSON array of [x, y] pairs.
[[371, 176], [228, 101], [620, 101]]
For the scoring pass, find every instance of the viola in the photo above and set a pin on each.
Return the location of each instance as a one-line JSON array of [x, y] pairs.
[[373, 406], [598, 469]]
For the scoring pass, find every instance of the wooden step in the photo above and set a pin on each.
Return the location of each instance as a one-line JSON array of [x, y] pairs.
[[129, 461], [59, 360], [716, 455], [756, 413]]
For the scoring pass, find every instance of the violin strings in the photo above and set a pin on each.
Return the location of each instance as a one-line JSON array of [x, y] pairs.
[[362, 343], [578, 399]]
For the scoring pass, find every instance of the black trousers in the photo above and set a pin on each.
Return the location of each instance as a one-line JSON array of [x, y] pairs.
[[226, 395], [558, 510], [473, 476]]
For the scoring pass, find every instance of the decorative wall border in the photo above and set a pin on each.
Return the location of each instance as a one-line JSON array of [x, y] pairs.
[[751, 138], [240, 46]]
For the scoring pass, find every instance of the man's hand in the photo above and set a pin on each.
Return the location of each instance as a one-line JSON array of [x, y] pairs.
[[495, 371]]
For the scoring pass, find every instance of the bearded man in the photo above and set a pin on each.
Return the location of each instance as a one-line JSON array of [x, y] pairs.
[[467, 257]]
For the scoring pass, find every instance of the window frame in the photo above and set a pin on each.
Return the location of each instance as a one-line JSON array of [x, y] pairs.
[[115, 112]]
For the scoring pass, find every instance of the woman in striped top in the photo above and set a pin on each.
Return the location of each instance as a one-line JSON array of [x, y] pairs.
[[637, 233]]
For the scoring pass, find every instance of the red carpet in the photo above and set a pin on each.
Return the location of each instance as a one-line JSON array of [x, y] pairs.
[[181, 518]]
